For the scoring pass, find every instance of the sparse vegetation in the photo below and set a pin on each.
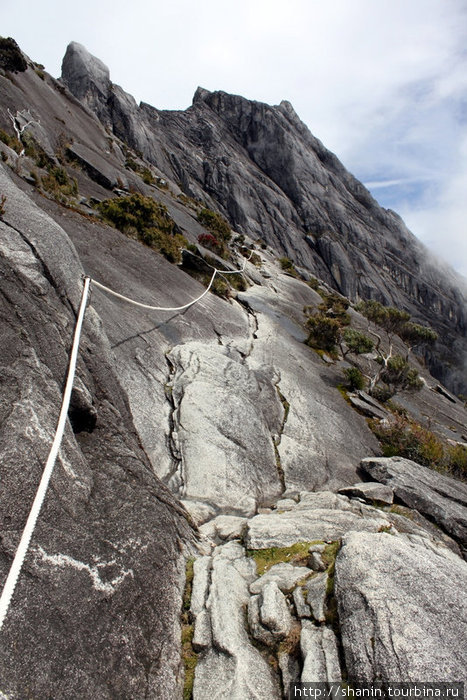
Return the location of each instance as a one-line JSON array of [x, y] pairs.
[[288, 266], [265, 558], [218, 227], [395, 373], [147, 220], [146, 175], [189, 657], [313, 283], [404, 437], [11, 141], [34, 151], [58, 184]]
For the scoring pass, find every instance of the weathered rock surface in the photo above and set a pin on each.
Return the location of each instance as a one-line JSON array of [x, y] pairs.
[[315, 588], [369, 491], [401, 609], [308, 521], [321, 435], [303, 202], [274, 611], [320, 656], [284, 575], [434, 495], [224, 416], [232, 667], [92, 558]]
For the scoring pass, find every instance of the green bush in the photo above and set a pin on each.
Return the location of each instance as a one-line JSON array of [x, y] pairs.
[[356, 343], [59, 185], [324, 332], [398, 375], [11, 141], [215, 223], [355, 378], [150, 221], [288, 266]]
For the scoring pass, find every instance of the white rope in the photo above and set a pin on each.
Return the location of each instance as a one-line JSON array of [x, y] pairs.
[[21, 552], [172, 308], [156, 308]]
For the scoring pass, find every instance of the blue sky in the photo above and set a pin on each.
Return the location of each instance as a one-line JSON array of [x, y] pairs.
[[382, 83]]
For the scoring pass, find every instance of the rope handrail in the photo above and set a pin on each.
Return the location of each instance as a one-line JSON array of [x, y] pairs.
[[21, 551], [173, 308]]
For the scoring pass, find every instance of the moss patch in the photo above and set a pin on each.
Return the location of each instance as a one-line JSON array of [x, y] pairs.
[[329, 558], [265, 558], [189, 656]]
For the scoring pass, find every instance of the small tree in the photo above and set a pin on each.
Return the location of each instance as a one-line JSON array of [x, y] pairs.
[[354, 342], [416, 336], [324, 332], [398, 375], [395, 372]]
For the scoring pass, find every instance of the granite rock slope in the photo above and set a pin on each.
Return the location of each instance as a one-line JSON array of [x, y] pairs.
[[274, 180], [217, 416], [89, 589]]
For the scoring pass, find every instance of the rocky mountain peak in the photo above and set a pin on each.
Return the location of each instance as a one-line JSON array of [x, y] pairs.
[[86, 76], [201, 95]]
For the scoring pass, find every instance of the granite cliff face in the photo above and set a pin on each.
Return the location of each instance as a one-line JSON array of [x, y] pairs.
[[212, 432], [275, 181]]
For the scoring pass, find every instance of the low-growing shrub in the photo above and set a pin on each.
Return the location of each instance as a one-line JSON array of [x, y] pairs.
[[209, 241], [323, 332], [405, 437], [215, 223], [457, 461], [10, 141], [149, 221], [355, 378], [288, 266], [58, 184]]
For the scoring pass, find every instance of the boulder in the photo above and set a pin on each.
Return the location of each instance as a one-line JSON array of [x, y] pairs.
[[401, 609], [232, 667], [274, 611], [320, 655], [315, 591], [434, 495], [224, 527], [301, 606], [369, 491], [96, 165], [257, 629], [308, 522]]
